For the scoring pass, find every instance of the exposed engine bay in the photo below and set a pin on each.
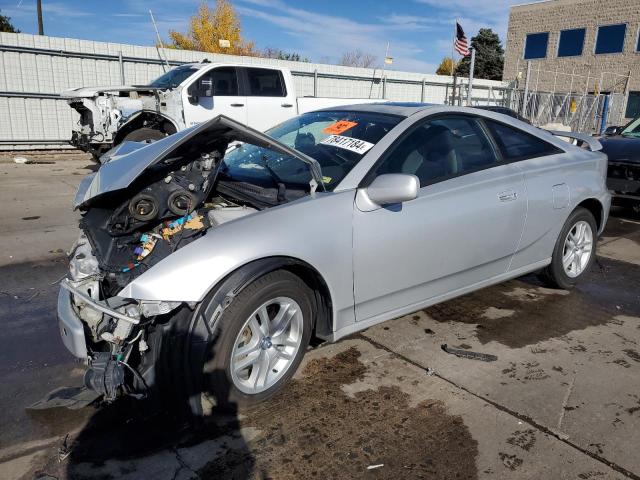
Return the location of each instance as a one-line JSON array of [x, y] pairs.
[[171, 201]]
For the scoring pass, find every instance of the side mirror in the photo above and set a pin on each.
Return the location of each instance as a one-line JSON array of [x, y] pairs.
[[202, 88], [393, 188], [192, 94], [610, 131]]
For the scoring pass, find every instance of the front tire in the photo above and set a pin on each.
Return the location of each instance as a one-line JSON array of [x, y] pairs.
[[144, 135], [259, 341], [574, 252]]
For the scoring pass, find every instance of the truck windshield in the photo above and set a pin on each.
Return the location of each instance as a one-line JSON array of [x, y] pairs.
[[336, 139], [174, 77]]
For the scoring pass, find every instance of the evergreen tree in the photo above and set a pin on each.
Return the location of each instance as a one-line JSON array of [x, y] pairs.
[[489, 57], [6, 25]]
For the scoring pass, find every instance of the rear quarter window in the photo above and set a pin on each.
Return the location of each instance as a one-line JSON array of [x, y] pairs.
[[264, 82], [518, 145]]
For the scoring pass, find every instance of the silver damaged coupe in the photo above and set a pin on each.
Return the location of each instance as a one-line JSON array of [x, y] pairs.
[[207, 260]]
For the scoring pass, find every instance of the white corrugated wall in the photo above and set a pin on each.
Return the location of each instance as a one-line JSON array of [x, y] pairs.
[[35, 69]]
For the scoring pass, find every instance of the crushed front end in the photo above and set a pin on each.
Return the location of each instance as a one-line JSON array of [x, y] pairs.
[[137, 210], [102, 112]]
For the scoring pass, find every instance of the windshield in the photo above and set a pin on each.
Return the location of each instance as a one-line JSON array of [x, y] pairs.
[[632, 129], [174, 77], [336, 139]]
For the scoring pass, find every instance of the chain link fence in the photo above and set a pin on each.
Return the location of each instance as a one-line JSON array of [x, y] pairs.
[[585, 113]]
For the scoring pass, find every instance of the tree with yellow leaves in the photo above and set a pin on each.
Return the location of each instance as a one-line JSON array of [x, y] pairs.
[[446, 67], [208, 27]]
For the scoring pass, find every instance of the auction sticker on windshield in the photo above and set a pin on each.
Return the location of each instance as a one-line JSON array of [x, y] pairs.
[[339, 127], [348, 143]]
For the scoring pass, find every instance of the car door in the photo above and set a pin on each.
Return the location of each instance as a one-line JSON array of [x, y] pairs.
[[215, 92], [546, 171], [269, 102], [461, 230]]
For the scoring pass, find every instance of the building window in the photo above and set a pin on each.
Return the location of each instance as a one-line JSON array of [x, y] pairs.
[[610, 38], [571, 42], [638, 41], [535, 46], [633, 105]]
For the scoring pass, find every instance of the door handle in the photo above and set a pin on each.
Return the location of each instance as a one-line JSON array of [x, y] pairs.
[[237, 104], [508, 195], [287, 105]]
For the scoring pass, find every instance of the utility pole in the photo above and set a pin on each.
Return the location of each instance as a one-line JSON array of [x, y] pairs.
[[40, 24]]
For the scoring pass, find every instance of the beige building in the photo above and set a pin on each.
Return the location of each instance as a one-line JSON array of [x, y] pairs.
[[576, 46]]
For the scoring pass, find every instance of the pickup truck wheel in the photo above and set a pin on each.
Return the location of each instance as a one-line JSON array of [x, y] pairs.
[[261, 339], [574, 252], [144, 135]]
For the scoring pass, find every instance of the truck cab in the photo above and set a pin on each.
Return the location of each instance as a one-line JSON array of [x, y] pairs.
[[260, 97]]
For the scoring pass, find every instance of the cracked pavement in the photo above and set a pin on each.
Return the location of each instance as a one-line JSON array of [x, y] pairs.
[[561, 401]]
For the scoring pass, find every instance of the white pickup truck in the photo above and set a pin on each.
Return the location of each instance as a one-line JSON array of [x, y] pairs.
[[260, 97]]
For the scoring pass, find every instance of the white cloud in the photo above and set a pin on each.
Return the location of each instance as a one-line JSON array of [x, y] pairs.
[[320, 35], [493, 14]]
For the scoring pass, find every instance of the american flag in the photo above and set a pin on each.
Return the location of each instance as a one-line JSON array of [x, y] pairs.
[[460, 44]]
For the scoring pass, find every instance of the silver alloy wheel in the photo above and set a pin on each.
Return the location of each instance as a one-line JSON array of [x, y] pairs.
[[266, 345], [578, 246]]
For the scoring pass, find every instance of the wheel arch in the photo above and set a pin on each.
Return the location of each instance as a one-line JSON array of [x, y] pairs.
[[233, 283], [596, 208], [200, 327], [148, 119]]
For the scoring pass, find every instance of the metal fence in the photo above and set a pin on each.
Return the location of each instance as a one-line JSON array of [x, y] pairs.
[[586, 113], [34, 70]]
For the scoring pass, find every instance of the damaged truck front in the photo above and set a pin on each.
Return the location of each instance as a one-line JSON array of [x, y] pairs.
[[110, 115], [138, 209], [184, 96]]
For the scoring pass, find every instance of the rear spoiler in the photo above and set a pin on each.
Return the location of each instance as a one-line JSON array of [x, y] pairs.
[[593, 144]]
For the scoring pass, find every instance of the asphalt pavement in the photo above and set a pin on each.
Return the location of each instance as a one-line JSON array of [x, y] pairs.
[[562, 399]]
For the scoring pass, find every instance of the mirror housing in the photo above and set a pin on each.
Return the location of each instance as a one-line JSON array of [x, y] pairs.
[[393, 188], [201, 88], [612, 130]]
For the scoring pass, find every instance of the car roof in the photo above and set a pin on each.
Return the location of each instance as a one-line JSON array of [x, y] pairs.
[[403, 109]]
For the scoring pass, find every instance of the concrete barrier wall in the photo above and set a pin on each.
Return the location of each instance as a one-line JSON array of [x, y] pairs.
[[34, 70]]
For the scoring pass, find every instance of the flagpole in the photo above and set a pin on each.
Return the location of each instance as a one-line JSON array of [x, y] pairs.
[[384, 66], [455, 34], [471, 68]]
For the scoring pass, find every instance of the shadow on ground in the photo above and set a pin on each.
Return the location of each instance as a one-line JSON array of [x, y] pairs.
[[312, 429]]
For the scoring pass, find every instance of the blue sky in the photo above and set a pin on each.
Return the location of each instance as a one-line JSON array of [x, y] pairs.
[[419, 31]]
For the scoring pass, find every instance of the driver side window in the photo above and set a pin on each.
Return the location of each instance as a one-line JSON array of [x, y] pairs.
[[441, 148], [223, 81]]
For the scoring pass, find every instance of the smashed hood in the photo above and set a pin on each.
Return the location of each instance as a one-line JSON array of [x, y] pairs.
[[84, 92], [123, 170]]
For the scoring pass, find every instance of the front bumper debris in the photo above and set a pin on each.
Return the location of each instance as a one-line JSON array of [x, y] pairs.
[[73, 398], [71, 326], [101, 306], [71, 329]]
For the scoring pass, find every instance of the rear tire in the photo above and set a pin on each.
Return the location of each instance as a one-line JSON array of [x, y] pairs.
[[144, 135], [574, 252]]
